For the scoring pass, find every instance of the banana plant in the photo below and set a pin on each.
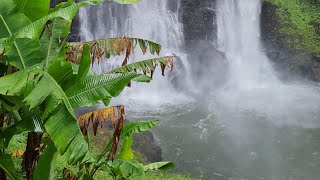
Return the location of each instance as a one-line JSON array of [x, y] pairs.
[[123, 164], [43, 79]]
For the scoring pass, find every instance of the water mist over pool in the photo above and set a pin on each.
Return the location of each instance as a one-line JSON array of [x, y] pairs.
[[253, 126]]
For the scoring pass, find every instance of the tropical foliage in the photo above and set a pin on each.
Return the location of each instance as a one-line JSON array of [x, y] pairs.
[[43, 79]]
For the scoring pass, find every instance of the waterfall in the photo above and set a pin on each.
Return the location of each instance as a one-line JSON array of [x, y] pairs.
[[150, 19], [239, 39], [252, 83]]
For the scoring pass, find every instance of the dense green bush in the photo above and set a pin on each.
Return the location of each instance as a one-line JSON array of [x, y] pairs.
[[300, 22]]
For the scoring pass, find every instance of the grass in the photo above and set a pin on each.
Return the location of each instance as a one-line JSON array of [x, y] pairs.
[[300, 22]]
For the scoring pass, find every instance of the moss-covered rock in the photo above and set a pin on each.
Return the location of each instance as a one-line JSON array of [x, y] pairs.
[[299, 22], [290, 36]]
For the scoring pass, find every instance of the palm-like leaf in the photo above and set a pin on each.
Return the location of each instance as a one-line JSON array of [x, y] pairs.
[[52, 40], [23, 52], [29, 7], [91, 89], [104, 48], [20, 37], [137, 127], [39, 89], [33, 30]]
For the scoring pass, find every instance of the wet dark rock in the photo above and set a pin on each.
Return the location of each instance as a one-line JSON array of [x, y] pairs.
[[198, 18], [288, 62], [145, 144], [74, 35], [199, 21]]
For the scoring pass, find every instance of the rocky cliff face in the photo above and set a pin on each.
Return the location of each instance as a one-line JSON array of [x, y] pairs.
[[200, 32], [289, 61], [198, 18]]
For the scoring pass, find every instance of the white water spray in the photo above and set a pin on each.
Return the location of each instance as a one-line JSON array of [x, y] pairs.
[[151, 20], [252, 84], [239, 38]]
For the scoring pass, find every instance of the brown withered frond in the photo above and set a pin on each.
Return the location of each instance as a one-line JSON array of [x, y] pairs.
[[105, 48], [116, 116], [99, 117], [116, 135]]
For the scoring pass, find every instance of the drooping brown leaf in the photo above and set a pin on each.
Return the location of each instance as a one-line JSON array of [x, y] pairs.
[[116, 116], [99, 117], [116, 136], [105, 48]]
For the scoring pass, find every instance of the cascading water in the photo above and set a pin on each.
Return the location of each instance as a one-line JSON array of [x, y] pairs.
[[239, 38], [252, 127], [149, 20]]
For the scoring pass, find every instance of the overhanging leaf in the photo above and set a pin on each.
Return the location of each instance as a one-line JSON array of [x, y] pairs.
[[105, 48], [23, 52], [52, 40], [29, 7], [34, 29], [98, 87], [58, 116], [146, 66], [137, 127], [84, 63]]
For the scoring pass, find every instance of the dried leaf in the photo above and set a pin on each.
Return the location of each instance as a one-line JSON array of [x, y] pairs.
[[105, 48], [99, 117], [116, 138]]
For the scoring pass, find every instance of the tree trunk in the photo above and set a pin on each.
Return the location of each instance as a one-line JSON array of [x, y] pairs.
[[2, 173], [32, 153]]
